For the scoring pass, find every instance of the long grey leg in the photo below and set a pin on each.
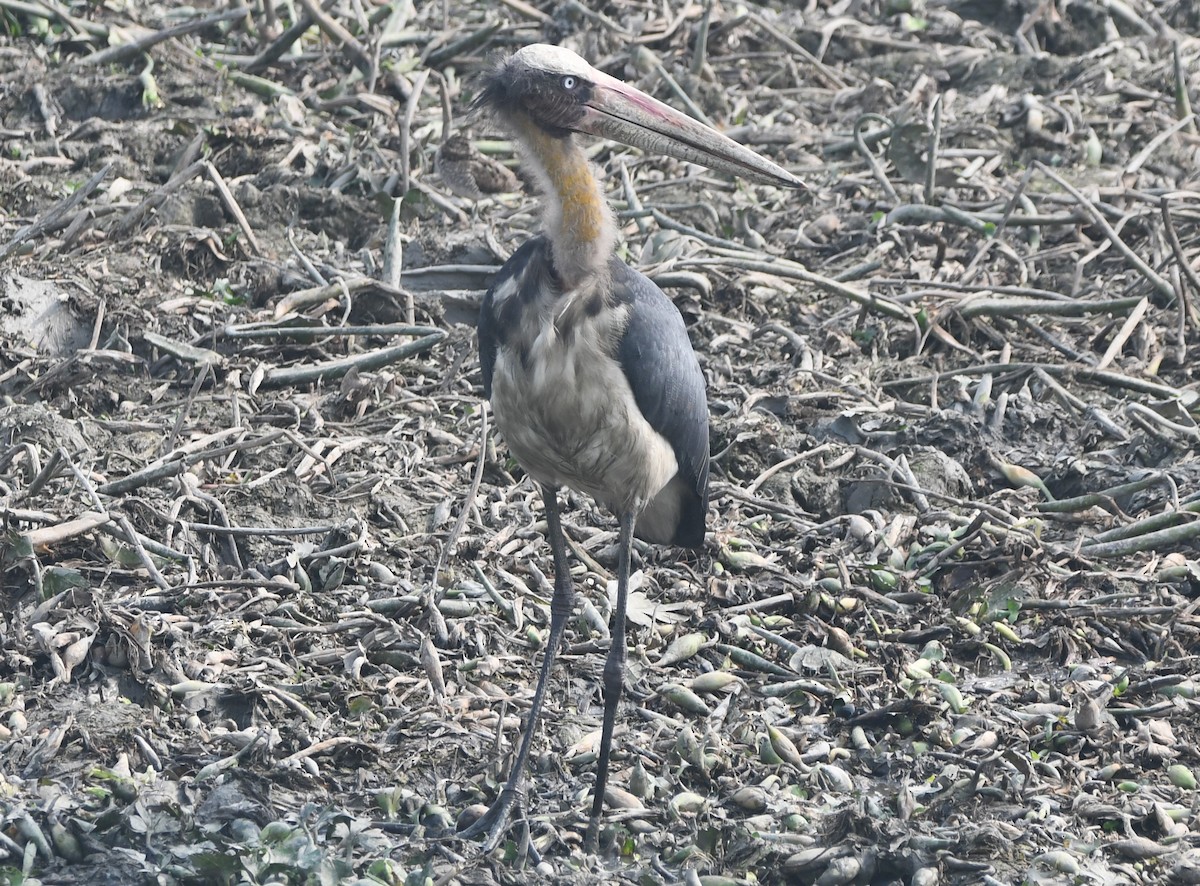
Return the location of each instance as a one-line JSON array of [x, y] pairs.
[[495, 821], [614, 679]]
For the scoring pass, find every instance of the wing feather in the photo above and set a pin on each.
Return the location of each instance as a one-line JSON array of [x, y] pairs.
[[668, 386]]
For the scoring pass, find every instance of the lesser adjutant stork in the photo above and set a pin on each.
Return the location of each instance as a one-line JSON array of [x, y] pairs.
[[593, 382]]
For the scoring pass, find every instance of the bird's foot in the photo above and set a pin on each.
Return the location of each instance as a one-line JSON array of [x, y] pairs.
[[503, 814], [591, 837], [495, 821]]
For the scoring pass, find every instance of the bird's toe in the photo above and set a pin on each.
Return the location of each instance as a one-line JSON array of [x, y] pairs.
[[496, 821]]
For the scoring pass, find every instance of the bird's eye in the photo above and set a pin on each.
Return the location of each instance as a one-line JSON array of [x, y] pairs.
[[569, 82]]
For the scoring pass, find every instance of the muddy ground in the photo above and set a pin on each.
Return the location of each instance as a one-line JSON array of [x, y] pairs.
[[273, 602]]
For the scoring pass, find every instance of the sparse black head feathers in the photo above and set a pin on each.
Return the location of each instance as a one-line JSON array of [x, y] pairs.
[[535, 84]]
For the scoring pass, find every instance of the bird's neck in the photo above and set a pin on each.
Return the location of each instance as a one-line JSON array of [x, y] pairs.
[[579, 222]]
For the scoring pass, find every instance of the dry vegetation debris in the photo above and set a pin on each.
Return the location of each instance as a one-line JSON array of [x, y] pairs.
[[272, 603]]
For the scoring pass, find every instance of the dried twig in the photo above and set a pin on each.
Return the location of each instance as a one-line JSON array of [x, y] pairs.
[[269, 330], [175, 462], [55, 213], [437, 592], [1021, 307], [336, 32], [868, 155], [281, 44], [1186, 306], [123, 52], [790, 270], [1162, 286], [830, 77], [231, 205], [156, 198], [60, 532], [334, 369], [1172, 539]]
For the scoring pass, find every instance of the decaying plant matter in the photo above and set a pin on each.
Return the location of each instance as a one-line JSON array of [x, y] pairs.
[[268, 593]]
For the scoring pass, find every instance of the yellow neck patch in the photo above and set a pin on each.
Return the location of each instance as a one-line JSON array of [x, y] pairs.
[[583, 217]]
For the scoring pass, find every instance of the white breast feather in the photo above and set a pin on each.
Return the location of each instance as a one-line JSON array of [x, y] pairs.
[[571, 418]]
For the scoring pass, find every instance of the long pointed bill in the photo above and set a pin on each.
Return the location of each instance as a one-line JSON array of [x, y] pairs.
[[618, 111]]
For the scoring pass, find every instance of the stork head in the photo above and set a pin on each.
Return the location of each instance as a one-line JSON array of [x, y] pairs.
[[553, 89]]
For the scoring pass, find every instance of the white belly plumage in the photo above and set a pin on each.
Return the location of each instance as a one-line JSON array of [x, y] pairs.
[[569, 416]]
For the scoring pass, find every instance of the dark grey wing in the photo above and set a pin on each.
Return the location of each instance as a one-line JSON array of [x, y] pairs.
[[661, 367], [488, 346], [497, 317]]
